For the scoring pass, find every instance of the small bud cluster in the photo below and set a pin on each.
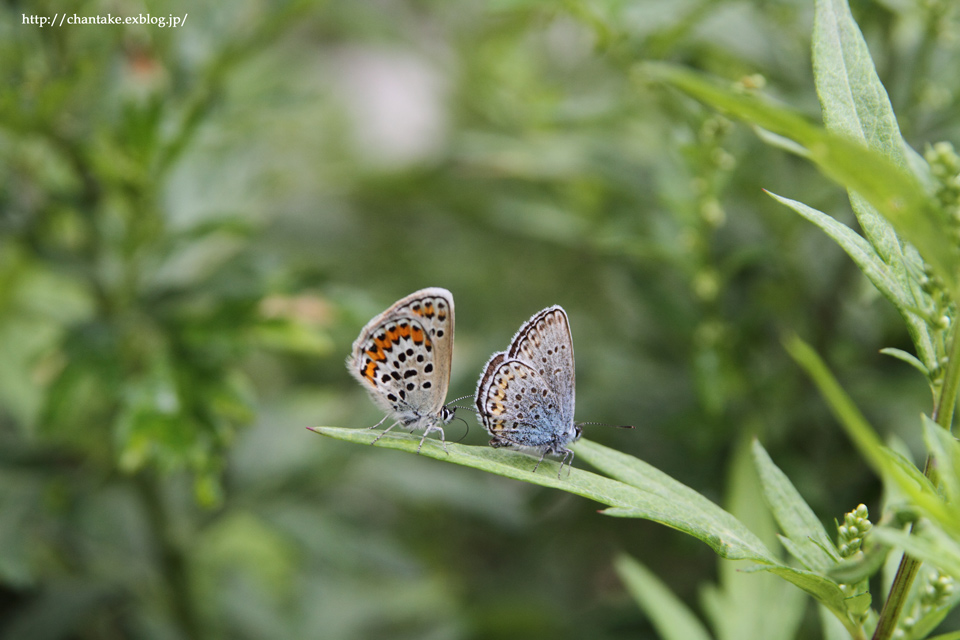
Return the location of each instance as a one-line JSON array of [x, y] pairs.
[[937, 590], [855, 526], [934, 592], [945, 167], [850, 535], [938, 310]]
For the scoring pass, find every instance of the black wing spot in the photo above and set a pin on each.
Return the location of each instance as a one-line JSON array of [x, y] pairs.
[[428, 368], [385, 378], [411, 386], [426, 385], [409, 373]]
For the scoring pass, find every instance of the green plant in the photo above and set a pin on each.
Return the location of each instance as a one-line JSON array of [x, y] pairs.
[[906, 206]]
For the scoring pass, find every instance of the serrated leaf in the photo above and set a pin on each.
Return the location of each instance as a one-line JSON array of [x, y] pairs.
[[671, 618], [859, 250], [791, 511]]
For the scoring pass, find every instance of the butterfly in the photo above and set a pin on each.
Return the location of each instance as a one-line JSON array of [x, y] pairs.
[[402, 358], [525, 396]]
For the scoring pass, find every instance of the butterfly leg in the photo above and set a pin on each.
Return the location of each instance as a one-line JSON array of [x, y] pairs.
[[443, 438], [382, 420], [540, 460], [567, 459], [384, 432]]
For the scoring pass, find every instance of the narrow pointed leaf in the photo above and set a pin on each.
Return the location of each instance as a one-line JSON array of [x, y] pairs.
[[894, 191], [794, 515], [884, 461], [854, 103], [909, 358], [671, 618], [656, 496], [826, 592], [684, 508], [937, 550], [858, 249], [511, 464]]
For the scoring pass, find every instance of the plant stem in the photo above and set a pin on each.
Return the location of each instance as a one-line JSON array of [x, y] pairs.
[[909, 567]]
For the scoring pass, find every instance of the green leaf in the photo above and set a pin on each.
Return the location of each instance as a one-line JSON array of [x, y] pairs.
[[893, 191], [909, 358], [931, 545], [650, 493], [676, 505], [946, 451], [832, 628], [826, 591], [855, 104], [860, 567], [883, 460], [852, 97], [794, 515], [503, 462], [645, 493], [859, 250], [671, 618], [731, 605]]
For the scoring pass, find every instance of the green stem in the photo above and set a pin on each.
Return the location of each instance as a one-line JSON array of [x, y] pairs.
[[909, 567]]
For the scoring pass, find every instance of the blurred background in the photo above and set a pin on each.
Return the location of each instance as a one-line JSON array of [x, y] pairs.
[[196, 222]]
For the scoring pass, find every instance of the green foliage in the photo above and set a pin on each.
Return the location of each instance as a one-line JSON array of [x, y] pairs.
[[194, 223]]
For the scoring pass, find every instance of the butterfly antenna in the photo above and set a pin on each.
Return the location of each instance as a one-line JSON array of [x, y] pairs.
[[604, 424], [453, 403]]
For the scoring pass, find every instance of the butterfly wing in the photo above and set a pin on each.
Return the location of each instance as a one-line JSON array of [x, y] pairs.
[[402, 357], [517, 406], [545, 343]]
